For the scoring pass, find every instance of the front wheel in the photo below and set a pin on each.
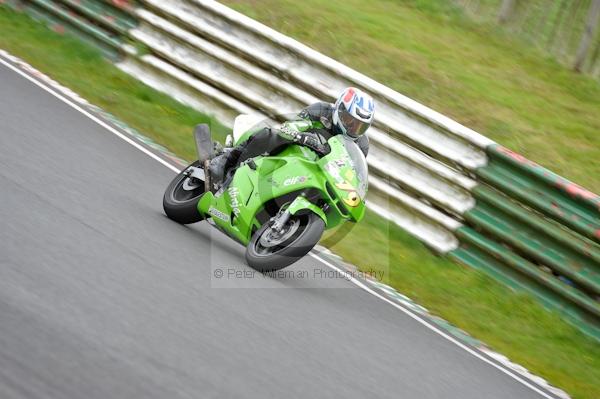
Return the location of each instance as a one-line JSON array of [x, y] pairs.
[[180, 201], [270, 250]]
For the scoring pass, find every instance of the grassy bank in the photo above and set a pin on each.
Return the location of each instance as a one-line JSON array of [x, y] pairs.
[[484, 78], [81, 68], [512, 324]]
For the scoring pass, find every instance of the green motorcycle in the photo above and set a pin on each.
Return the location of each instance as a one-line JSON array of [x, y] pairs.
[[277, 206]]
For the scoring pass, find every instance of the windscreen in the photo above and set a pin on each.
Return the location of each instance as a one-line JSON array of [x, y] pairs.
[[360, 165]]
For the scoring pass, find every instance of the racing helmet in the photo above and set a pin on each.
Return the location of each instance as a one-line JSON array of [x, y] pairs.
[[353, 112]]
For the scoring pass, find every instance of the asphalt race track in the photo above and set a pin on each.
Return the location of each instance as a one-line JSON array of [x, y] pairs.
[[102, 296]]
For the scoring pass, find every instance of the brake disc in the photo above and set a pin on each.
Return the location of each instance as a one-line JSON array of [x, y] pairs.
[[271, 238]]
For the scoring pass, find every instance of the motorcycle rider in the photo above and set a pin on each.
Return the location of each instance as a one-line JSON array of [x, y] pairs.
[[351, 115]]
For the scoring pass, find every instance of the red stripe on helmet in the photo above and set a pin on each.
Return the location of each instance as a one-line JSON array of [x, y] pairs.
[[349, 95]]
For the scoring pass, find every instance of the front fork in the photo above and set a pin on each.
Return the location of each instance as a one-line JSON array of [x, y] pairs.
[[298, 204], [280, 220]]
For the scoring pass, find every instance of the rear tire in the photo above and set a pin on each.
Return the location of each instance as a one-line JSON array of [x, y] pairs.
[[180, 201], [269, 259]]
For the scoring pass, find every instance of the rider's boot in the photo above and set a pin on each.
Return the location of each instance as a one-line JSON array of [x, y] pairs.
[[259, 143], [222, 163]]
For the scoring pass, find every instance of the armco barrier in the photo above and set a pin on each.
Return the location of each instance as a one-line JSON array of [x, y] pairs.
[[456, 190], [100, 24]]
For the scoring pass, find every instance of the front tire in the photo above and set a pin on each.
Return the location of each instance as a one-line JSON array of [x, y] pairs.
[[264, 257], [180, 201]]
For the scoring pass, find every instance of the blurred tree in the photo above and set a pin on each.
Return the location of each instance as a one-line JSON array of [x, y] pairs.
[[588, 35], [506, 10]]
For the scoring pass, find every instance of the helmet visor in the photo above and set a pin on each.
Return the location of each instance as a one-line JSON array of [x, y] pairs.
[[354, 127]]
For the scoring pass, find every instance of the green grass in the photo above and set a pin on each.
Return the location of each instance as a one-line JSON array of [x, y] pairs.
[[512, 324], [475, 73]]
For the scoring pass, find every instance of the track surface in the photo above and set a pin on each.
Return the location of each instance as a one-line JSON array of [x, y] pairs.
[[101, 296]]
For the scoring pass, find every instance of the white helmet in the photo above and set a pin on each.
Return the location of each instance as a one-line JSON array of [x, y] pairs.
[[353, 113]]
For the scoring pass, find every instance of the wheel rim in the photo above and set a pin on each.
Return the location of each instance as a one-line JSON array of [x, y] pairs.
[[271, 238], [271, 242], [191, 184], [187, 188]]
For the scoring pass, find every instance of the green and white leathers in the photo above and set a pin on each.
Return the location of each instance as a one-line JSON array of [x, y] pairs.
[[278, 206]]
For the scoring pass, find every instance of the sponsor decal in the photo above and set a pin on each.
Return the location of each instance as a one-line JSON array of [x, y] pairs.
[[218, 214], [294, 180], [235, 202], [334, 170], [334, 167]]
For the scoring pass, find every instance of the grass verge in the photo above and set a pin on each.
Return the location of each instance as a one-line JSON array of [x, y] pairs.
[[82, 68], [512, 324], [473, 72]]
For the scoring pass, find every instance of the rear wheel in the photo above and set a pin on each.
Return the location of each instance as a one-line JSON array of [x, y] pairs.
[[180, 200], [271, 250]]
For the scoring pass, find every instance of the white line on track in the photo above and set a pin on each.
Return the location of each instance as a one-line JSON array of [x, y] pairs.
[[351, 278], [425, 323]]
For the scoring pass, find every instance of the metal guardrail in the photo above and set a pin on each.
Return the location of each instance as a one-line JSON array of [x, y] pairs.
[[454, 189], [185, 57]]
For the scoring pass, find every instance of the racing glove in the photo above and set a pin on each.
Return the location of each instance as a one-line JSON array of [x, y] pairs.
[[307, 139], [311, 141]]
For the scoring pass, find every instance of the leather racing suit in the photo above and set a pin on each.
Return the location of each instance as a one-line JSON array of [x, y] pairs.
[[269, 141]]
